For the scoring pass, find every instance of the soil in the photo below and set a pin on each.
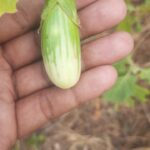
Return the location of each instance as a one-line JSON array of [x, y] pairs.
[[142, 49]]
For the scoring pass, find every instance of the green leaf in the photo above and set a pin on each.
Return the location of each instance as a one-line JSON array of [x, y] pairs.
[[145, 75], [7, 6], [127, 90], [122, 67], [123, 90], [141, 93], [130, 7], [130, 23], [35, 140], [126, 24]]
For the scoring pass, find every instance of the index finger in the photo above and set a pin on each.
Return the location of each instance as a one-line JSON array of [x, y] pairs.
[[26, 18]]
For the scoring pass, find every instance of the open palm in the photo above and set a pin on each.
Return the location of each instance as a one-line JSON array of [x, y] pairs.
[[27, 98]]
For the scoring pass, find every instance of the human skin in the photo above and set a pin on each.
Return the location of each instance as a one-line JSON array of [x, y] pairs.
[[28, 100]]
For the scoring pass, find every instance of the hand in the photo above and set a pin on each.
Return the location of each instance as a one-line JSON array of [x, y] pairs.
[[27, 98]]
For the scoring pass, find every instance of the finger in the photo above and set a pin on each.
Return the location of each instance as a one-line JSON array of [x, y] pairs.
[[26, 18], [7, 106], [107, 50], [22, 51], [53, 102], [100, 52], [100, 16]]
